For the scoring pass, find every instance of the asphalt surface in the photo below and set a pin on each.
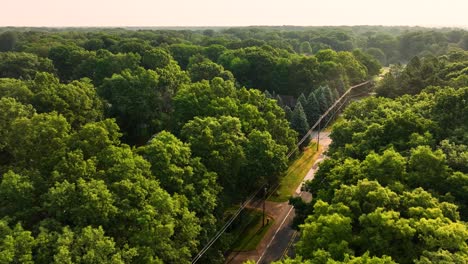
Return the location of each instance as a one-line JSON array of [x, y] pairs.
[[278, 241]]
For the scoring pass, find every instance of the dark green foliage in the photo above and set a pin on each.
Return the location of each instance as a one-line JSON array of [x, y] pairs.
[[372, 65], [378, 55], [288, 113], [306, 48], [312, 109], [302, 99], [299, 122], [449, 70], [8, 41], [134, 100], [65, 59], [305, 73], [72, 192], [323, 97], [183, 52]]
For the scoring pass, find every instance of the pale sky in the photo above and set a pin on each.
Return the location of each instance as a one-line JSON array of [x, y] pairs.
[[232, 13]]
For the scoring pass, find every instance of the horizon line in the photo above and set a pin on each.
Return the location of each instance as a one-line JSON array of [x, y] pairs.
[[232, 26]]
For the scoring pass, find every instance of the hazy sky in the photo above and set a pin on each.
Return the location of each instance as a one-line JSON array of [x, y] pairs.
[[232, 12]]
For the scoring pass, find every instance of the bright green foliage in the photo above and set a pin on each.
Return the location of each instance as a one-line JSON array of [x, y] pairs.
[[327, 229], [10, 110], [355, 70], [76, 101], [392, 184], [386, 168], [88, 179], [71, 192], [266, 159], [201, 68], [31, 137], [16, 244], [23, 65], [219, 141], [457, 155], [427, 168], [87, 245], [16, 89], [155, 58], [387, 224], [218, 98], [178, 172]]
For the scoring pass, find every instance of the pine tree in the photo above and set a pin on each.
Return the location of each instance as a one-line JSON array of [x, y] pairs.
[[302, 99], [279, 100], [322, 99], [312, 109], [267, 94], [335, 93], [299, 123], [329, 95], [288, 112]]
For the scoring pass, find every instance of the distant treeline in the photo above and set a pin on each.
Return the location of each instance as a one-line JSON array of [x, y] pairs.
[[127, 146]]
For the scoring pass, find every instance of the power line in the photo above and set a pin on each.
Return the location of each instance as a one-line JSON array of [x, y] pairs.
[[234, 216], [323, 116], [225, 226]]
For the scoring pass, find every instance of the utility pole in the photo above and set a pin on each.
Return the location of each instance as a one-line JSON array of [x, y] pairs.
[[264, 198], [318, 136]]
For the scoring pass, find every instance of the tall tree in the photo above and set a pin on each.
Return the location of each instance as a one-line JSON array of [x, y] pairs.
[[306, 48], [299, 123], [8, 41], [312, 109]]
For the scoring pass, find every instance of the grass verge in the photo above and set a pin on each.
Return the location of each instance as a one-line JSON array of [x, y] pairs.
[[295, 174], [252, 232]]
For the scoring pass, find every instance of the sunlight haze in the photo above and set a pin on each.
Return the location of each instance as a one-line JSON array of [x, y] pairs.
[[232, 13]]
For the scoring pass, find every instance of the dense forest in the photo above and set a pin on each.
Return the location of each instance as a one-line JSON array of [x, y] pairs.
[[395, 188], [128, 145]]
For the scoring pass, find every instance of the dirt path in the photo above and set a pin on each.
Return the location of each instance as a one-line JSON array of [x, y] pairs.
[[280, 236]]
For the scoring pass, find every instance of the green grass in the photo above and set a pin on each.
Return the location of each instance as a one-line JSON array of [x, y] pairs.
[[295, 174], [251, 232]]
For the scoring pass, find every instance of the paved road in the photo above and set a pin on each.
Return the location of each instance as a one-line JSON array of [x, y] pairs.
[[279, 238]]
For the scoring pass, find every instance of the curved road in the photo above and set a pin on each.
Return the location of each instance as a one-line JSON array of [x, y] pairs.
[[279, 238]]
